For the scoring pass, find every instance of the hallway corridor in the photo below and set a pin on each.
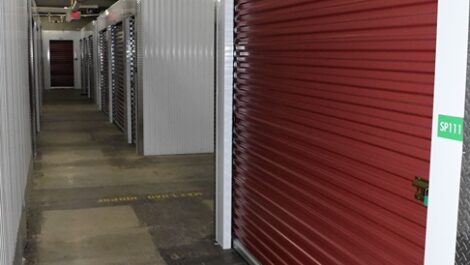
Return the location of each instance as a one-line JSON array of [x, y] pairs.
[[95, 202]]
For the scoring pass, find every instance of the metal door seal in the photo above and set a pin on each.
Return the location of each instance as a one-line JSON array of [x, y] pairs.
[[237, 245]]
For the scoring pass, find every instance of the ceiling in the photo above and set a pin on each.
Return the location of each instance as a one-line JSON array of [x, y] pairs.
[[54, 22], [62, 3]]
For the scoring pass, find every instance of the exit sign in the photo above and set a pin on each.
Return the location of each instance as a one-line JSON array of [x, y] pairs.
[[450, 127], [75, 15]]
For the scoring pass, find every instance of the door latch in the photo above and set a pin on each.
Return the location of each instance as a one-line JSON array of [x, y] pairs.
[[422, 190]]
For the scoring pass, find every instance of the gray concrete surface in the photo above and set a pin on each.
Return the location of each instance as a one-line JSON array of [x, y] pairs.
[[94, 201]]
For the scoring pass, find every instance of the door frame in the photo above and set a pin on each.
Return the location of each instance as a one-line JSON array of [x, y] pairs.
[[224, 123], [446, 155], [47, 36]]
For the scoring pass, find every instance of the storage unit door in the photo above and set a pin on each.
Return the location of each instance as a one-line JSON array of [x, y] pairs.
[[91, 69], [118, 51], [132, 59], [82, 62], [333, 112], [61, 63], [85, 73], [104, 72]]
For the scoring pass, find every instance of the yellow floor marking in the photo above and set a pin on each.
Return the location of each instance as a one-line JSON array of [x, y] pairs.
[[156, 197]]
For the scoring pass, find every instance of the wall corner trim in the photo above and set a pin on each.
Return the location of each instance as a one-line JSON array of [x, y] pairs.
[[225, 10]]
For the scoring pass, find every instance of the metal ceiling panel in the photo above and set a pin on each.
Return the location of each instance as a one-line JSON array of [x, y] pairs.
[[117, 13], [332, 123], [63, 3], [88, 15]]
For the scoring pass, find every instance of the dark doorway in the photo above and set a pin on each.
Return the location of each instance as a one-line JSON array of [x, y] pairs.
[[62, 65]]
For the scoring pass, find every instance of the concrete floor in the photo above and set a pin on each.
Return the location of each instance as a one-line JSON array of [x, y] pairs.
[[95, 202]]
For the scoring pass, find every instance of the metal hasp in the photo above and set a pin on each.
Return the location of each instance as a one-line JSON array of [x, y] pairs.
[[422, 189]]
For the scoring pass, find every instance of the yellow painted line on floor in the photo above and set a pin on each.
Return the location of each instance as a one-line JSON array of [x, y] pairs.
[[156, 197]]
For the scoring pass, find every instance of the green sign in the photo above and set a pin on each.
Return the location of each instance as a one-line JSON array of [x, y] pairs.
[[450, 127]]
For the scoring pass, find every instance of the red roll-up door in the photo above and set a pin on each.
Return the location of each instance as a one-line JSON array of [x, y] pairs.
[[333, 112], [62, 64]]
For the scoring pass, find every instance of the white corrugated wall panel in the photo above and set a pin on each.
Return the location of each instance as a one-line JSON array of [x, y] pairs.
[[178, 76], [15, 127]]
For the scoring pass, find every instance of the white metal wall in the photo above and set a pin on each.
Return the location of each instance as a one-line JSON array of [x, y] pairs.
[[47, 36], [15, 127], [178, 76]]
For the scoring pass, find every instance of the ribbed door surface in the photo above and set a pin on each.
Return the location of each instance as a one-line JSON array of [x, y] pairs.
[[104, 72], [85, 68], [132, 58], [82, 66], [61, 61], [333, 112], [118, 51], [91, 70]]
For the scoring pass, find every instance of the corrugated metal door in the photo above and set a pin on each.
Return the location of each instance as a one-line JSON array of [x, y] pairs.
[[132, 64], [333, 112], [118, 52], [104, 71], [84, 65], [91, 70], [61, 56]]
